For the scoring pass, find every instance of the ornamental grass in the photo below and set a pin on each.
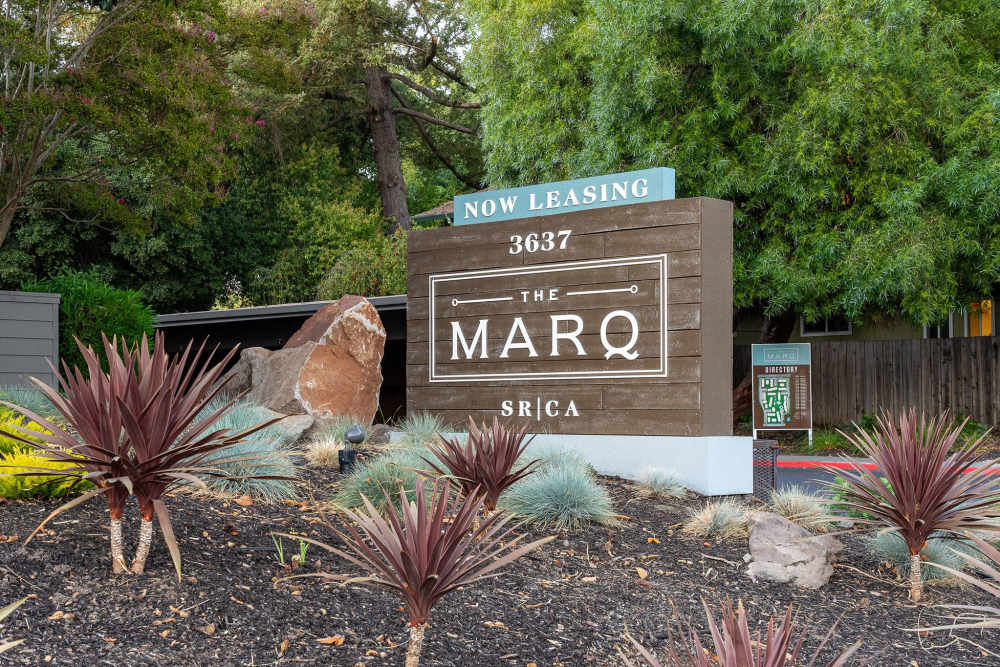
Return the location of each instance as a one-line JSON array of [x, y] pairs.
[[136, 429], [562, 494], [927, 487]]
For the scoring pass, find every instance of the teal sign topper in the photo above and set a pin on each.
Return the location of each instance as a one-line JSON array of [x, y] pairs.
[[632, 187], [797, 354]]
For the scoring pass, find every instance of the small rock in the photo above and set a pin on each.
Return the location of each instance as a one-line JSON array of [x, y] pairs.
[[379, 434], [787, 553]]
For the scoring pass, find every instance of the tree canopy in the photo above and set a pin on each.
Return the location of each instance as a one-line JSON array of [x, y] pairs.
[[857, 138], [207, 143], [101, 100]]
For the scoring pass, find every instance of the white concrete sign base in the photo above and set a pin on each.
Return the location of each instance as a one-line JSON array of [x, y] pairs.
[[710, 465]]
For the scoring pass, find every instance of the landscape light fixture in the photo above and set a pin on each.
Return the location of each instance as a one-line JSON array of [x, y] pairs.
[[347, 456]]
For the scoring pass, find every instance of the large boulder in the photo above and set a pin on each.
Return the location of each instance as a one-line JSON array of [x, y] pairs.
[[783, 552], [274, 375], [317, 326], [294, 426], [331, 366]]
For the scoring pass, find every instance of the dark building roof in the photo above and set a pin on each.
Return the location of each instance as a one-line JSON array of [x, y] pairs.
[[383, 304], [445, 210]]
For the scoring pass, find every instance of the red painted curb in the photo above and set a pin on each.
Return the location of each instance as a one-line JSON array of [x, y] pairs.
[[844, 465], [839, 465]]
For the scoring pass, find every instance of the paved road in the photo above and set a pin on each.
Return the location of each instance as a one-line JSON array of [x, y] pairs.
[[808, 471], [805, 471]]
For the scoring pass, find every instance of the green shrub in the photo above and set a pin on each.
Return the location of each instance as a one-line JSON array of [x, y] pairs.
[[719, 519], [392, 471], [838, 497], [262, 453], [658, 483], [231, 296], [554, 456], [561, 494], [891, 548], [18, 457], [89, 306], [9, 417], [371, 267], [336, 428], [37, 486]]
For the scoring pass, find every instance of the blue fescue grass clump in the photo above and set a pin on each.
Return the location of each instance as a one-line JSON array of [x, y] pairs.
[[659, 483], [890, 547], [563, 493], [554, 456], [418, 429], [30, 399], [267, 452], [396, 469]]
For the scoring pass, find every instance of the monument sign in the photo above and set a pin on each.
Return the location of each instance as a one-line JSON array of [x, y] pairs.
[[607, 330]]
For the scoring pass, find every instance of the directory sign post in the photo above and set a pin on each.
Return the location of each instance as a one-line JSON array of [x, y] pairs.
[[782, 388]]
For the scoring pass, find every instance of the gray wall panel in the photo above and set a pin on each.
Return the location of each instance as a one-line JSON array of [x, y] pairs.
[[29, 335]]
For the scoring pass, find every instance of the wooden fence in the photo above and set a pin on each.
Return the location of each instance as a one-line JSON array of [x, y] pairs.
[[856, 378]]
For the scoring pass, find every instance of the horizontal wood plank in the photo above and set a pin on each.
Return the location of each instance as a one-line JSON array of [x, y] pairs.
[[671, 405]]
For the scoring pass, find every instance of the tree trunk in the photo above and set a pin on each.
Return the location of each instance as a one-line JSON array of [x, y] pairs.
[[118, 564], [416, 645], [916, 584], [6, 220], [385, 143], [142, 551], [775, 330]]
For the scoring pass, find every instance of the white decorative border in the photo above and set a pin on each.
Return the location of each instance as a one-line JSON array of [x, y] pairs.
[[660, 372]]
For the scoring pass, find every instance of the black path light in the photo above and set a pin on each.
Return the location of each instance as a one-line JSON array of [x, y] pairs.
[[347, 456]]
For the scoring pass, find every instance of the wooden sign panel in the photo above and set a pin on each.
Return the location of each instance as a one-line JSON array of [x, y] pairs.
[[782, 387], [609, 321]]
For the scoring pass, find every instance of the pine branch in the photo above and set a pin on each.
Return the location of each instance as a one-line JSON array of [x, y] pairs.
[[426, 137], [431, 95], [454, 76], [436, 121]]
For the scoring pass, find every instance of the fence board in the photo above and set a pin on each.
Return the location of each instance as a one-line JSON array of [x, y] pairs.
[[852, 379]]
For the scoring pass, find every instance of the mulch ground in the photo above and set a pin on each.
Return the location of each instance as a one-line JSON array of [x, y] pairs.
[[568, 604]]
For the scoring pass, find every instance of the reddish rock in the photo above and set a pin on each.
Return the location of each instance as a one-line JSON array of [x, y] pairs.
[[330, 367], [316, 326], [274, 376], [342, 374]]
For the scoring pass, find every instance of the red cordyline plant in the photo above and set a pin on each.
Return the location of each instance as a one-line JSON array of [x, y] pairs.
[[136, 429], [736, 646], [486, 462], [427, 549], [928, 487]]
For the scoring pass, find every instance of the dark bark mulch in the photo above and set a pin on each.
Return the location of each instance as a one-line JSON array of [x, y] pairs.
[[568, 604]]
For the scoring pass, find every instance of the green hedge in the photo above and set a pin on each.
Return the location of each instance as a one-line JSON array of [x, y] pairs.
[[88, 306], [373, 267]]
